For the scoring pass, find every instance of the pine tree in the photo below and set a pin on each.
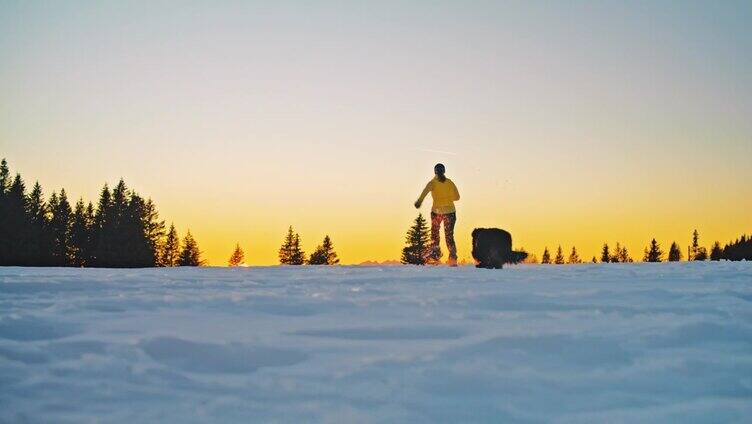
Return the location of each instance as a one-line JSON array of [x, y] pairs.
[[298, 256], [290, 253], [674, 253], [716, 254], [574, 258], [190, 255], [324, 254], [594, 260], [237, 256], [89, 247], [135, 250], [653, 253], [4, 177], [40, 242], [5, 234], [695, 246], [14, 224], [615, 255], [546, 258], [621, 254], [624, 255], [559, 259], [80, 235], [285, 251], [60, 227], [416, 243], [154, 229], [701, 255], [104, 229], [170, 251], [605, 254], [120, 251]]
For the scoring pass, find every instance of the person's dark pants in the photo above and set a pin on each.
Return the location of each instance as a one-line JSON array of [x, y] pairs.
[[448, 219]]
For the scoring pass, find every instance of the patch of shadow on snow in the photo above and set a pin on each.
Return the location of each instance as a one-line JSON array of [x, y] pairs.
[[557, 351], [217, 358], [516, 303], [23, 356], [33, 287], [702, 333], [76, 349], [386, 333], [104, 306], [284, 309], [540, 304], [32, 329]]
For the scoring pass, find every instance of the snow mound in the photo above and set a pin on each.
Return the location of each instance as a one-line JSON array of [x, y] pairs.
[[594, 343]]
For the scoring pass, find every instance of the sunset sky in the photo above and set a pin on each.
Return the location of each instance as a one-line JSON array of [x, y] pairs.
[[567, 122]]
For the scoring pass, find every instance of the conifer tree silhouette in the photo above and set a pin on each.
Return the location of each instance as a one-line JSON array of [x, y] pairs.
[[237, 256], [559, 259], [574, 258], [546, 258], [695, 246], [154, 230], [290, 253], [624, 256], [137, 250], [79, 237], [14, 247], [324, 254], [605, 254], [171, 248], [653, 253], [621, 254], [5, 230], [4, 177], [716, 253], [298, 256], [416, 243], [286, 250], [40, 244], [60, 228], [103, 232], [674, 253], [190, 255]]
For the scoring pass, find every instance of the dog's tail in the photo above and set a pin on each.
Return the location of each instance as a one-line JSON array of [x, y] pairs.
[[516, 257]]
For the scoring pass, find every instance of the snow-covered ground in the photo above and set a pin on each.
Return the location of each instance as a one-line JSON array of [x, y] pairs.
[[601, 343]]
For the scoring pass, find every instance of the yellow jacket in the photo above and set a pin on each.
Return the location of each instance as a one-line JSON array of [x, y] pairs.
[[443, 194]]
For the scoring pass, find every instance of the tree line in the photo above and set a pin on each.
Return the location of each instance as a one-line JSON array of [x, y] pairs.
[[417, 243], [291, 253], [123, 230], [740, 249]]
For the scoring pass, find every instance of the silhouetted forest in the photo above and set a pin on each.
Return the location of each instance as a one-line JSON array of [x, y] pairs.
[[123, 230], [290, 253], [740, 249]]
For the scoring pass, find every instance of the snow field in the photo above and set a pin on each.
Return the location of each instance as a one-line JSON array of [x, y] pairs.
[[615, 342]]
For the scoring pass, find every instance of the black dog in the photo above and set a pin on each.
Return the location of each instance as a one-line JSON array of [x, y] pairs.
[[492, 248]]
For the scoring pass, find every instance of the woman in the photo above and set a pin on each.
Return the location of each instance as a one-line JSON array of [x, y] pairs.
[[444, 193]]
